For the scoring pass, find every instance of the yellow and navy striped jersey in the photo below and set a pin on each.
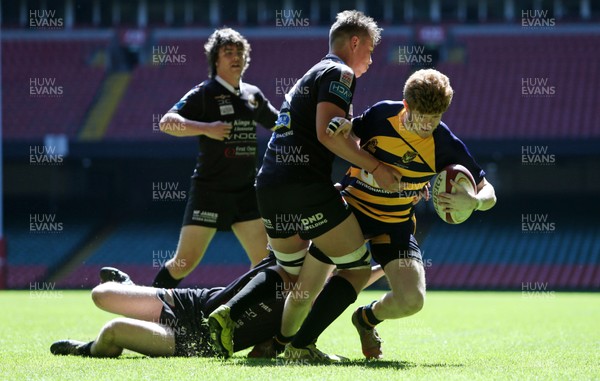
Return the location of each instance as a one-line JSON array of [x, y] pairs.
[[417, 159]]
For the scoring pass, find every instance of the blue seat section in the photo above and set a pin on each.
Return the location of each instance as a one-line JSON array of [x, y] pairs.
[[505, 242], [46, 247], [152, 242]]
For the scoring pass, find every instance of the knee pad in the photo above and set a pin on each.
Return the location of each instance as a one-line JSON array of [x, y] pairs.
[[358, 259], [291, 263]]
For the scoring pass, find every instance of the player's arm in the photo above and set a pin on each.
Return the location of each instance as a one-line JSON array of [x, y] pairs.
[[486, 196], [174, 124], [349, 150]]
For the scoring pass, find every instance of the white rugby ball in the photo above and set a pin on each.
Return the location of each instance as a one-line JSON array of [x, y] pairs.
[[442, 184]]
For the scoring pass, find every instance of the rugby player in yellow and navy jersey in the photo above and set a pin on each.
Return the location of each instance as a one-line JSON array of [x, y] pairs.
[[410, 137], [223, 113]]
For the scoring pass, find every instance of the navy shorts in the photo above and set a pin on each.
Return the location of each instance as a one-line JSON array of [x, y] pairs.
[[187, 321], [220, 210], [389, 241], [308, 210]]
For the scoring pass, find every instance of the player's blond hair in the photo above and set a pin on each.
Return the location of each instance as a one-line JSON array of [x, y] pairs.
[[354, 23], [428, 91], [223, 37]]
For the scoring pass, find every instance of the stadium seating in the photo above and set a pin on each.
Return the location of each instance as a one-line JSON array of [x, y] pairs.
[[62, 67], [493, 255], [489, 105], [35, 254], [141, 247]]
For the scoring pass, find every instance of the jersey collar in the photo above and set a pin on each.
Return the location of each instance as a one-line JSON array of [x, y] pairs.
[[226, 85], [333, 57]]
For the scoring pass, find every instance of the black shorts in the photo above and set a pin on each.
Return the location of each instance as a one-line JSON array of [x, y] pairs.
[[389, 241], [186, 319], [217, 209], [309, 210]]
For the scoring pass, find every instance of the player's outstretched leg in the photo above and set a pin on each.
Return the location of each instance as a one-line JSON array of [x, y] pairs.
[[221, 330], [71, 347]]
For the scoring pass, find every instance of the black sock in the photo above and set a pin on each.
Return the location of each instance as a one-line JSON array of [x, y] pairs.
[[164, 279], [86, 349], [366, 317], [262, 287], [280, 341], [336, 296]]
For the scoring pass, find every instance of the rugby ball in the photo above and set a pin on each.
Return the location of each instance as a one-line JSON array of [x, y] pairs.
[[442, 184]]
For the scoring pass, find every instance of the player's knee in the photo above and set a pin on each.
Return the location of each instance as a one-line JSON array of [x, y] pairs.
[[411, 302], [101, 294], [111, 330], [415, 302]]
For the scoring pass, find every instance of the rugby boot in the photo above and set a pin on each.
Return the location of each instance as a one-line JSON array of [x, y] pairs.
[[369, 339], [221, 330], [111, 274]]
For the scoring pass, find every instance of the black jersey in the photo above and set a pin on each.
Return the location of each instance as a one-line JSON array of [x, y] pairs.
[[228, 165], [294, 154]]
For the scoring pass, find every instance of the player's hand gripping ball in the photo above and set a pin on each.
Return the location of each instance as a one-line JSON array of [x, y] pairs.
[[442, 184]]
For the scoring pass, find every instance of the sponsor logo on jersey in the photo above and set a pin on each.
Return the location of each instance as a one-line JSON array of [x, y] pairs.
[[341, 91], [283, 121], [239, 152], [226, 109], [346, 77]]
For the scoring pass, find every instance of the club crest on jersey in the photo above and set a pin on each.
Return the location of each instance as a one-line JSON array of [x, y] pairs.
[[371, 145], [225, 106], [408, 156]]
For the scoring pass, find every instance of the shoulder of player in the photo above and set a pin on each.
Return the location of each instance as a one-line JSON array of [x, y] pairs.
[[388, 107], [443, 133], [200, 88], [339, 71], [383, 110], [249, 88]]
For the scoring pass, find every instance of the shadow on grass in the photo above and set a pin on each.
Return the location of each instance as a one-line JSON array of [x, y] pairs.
[[399, 365]]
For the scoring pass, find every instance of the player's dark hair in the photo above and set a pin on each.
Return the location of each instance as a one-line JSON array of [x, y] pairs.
[[428, 91], [354, 23], [223, 37]]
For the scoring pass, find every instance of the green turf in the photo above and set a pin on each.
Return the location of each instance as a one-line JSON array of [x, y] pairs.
[[458, 335]]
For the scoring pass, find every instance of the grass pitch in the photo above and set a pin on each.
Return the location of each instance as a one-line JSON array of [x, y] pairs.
[[457, 336]]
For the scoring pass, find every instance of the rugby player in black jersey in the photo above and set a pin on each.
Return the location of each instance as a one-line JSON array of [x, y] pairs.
[[172, 322], [223, 112], [410, 137], [294, 185]]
